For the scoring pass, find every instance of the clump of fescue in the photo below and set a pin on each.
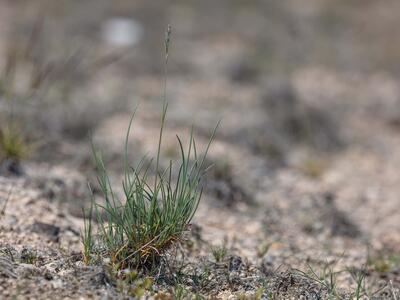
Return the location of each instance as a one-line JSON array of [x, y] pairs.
[[133, 232]]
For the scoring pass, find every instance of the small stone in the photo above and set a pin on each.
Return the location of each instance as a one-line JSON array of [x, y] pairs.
[[57, 284], [235, 262], [48, 276]]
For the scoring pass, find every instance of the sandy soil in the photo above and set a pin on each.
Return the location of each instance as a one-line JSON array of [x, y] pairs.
[[305, 181]]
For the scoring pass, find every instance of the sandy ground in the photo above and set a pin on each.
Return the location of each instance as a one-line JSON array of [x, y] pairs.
[[306, 156]]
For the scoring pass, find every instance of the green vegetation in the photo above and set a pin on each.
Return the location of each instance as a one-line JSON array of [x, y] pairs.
[[131, 284], [12, 143], [219, 253], [327, 277], [32, 82], [87, 239], [29, 256], [256, 295], [4, 205], [136, 231], [384, 261]]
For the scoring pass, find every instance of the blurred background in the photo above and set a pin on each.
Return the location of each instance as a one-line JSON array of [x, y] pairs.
[[280, 75]]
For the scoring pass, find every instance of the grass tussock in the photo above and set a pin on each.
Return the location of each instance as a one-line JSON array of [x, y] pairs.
[[133, 232]]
